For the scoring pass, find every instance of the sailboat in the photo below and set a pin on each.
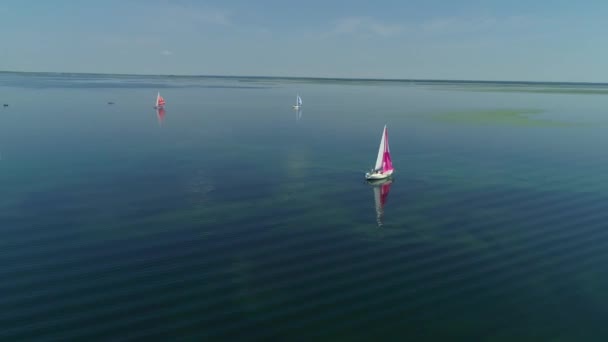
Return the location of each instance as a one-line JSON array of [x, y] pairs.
[[160, 102], [381, 189], [298, 104], [384, 165]]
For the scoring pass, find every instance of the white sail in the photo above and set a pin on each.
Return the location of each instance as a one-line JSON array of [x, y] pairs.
[[299, 101], [380, 151], [386, 141]]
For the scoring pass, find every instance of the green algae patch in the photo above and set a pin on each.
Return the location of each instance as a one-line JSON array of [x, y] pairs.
[[548, 90], [507, 117]]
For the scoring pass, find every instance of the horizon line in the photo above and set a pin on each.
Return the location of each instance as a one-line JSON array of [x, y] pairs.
[[324, 78]]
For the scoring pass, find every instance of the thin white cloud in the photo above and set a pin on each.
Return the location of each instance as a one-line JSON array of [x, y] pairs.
[[386, 29], [122, 40], [198, 15], [476, 24], [348, 25], [177, 19], [366, 26]]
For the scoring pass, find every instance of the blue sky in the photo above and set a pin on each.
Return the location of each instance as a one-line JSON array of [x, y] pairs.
[[483, 40]]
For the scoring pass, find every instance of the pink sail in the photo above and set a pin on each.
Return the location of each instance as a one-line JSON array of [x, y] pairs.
[[387, 164], [160, 102]]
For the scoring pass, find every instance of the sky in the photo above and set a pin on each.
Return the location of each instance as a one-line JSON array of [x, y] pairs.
[[467, 40]]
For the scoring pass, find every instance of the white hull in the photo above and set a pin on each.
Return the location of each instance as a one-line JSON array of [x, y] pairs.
[[378, 182], [296, 107], [378, 175]]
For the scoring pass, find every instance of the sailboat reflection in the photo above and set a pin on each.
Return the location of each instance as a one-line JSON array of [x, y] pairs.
[[381, 189], [298, 114], [160, 114]]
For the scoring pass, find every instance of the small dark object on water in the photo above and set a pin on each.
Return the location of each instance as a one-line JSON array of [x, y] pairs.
[[6, 105], [110, 103]]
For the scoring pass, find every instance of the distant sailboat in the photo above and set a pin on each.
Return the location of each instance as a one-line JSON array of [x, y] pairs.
[[384, 165], [298, 104], [381, 189], [160, 102]]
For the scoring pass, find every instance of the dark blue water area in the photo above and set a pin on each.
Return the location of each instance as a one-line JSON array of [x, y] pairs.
[[232, 216]]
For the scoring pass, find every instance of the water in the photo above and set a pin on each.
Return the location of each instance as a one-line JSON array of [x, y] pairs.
[[235, 217]]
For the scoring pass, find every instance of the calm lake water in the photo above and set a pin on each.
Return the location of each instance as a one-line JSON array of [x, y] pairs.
[[234, 217]]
